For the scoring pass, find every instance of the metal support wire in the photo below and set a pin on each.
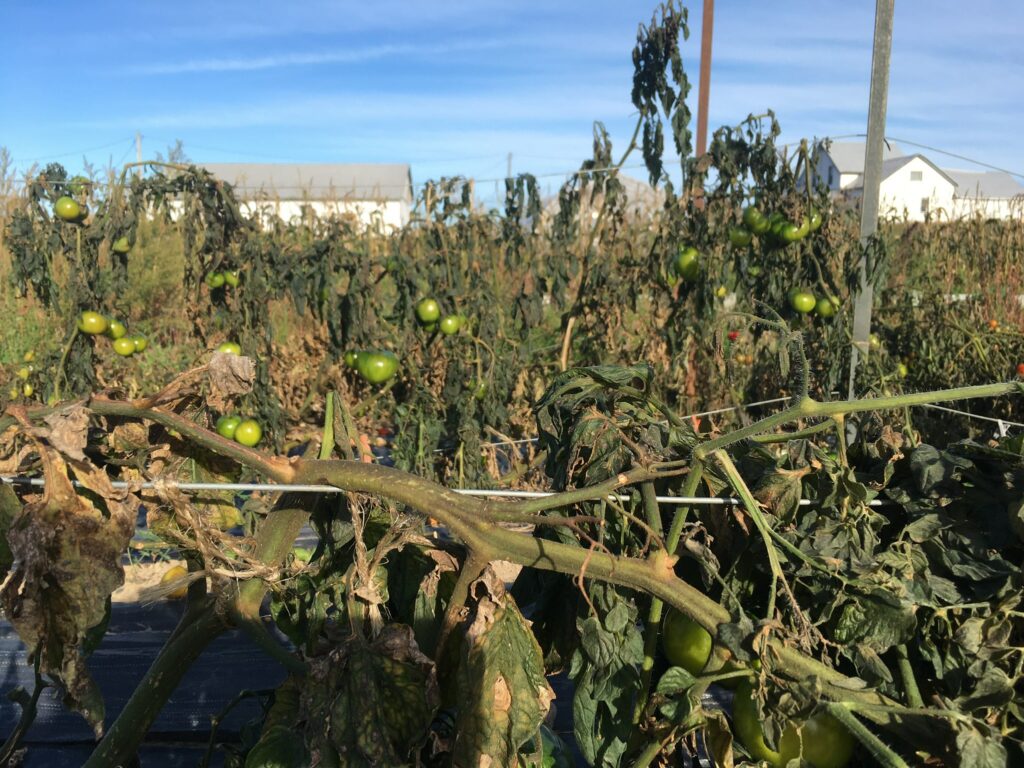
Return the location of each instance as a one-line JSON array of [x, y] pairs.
[[283, 487]]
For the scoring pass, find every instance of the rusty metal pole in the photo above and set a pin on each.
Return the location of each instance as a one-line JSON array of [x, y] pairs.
[[877, 104], [704, 92], [704, 89]]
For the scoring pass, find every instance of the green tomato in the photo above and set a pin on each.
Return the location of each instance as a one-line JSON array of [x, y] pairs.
[[24, 372], [826, 307], [825, 741], [140, 342], [755, 221], [788, 232], [230, 348], [803, 302], [227, 425], [902, 371], [215, 280], [116, 329], [232, 278], [78, 185], [121, 245], [92, 323], [351, 358], [248, 432], [67, 209], [449, 325], [740, 237], [814, 219], [428, 311], [687, 263], [377, 367], [124, 347], [754, 270], [686, 643]]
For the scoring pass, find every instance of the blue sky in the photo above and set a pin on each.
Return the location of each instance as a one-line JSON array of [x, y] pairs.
[[453, 86]]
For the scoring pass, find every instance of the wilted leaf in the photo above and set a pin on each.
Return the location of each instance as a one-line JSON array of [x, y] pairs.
[[229, 375], [503, 692], [67, 562], [372, 703], [69, 431]]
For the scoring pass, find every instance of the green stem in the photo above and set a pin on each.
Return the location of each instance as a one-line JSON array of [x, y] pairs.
[[196, 630], [874, 745], [754, 511], [910, 688]]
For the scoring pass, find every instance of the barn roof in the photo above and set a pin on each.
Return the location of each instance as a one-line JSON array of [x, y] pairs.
[[986, 184], [848, 156], [317, 181]]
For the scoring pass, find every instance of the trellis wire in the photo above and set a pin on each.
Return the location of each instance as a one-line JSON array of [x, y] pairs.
[[287, 488]]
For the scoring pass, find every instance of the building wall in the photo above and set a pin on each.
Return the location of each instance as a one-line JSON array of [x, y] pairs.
[[389, 214], [988, 208], [916, 192]]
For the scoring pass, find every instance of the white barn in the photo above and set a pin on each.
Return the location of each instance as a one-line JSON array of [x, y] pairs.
[[375, 194], [916, 189]]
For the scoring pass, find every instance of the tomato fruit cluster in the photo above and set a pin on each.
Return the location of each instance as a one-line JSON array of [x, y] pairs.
[[230, 278], [247, 432]]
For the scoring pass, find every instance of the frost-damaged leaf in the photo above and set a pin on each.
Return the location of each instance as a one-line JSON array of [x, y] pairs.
[[69, 431], [781, 491], [980, 750], [67, 562], [372, 703], [503, 693], [10, 507], [229, 375], [879, 621]]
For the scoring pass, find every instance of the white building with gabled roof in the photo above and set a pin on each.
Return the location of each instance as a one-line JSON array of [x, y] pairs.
[[374, 194], [916, 189]]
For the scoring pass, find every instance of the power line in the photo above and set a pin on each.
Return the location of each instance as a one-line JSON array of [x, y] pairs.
[[68, 154]]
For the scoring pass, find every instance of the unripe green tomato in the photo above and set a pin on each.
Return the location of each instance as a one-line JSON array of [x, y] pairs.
[[230, 348], [377, 367], [825, 307], [121, 245], [92, 323], [24, 372], [902, 370], [740, 237], [803, 302], [248, 432], [27, 389], [351, 358], [124, 347], [814, 219], [755, 221], [140, 342], [232, 278], [824, 740], [116, 329], [227, 425], [67, 209], [687, 263], [215, 279], [686, 643], [449, 325], [428, 311]]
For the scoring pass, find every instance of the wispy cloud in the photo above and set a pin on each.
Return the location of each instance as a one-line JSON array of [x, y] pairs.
[[345, 56]]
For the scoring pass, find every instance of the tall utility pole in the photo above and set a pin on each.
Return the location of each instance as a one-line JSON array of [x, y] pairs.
[[877, 103], [138, 153], [704, 92]]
